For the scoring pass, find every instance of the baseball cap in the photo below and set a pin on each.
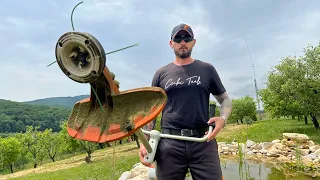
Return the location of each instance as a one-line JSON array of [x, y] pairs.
[[180, 27]]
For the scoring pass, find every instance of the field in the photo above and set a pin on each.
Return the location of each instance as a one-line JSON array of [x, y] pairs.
[[268, 130], [108, 164]]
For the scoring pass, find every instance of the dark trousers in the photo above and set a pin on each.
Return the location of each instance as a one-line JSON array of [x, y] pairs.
[[174, 157]]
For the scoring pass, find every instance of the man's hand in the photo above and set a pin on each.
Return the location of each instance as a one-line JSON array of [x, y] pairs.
[[142, 153], [219, 121]]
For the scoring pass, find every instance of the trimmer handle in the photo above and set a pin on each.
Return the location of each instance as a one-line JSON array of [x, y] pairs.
[[212, 112], [213, 124]]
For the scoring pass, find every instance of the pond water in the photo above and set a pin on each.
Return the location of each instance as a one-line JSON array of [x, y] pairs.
[[253, 171]]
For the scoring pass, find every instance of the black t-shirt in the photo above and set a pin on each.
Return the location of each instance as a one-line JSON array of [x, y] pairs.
[[188, 89]]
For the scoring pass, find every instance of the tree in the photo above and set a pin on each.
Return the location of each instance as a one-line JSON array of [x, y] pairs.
[[280, 97], [310, 93], [293, 87], [243, 107], [32, 140], [10, 150], [52, 143]]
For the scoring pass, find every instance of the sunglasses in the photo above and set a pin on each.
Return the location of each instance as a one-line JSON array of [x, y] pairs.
[[186, 39]]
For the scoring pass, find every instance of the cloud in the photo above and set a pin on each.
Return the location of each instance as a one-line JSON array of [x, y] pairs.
[[29, 38]]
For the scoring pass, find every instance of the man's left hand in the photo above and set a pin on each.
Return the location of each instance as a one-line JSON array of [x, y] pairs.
[[219, 122]]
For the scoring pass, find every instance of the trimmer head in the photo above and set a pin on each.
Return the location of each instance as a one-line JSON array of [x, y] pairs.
[[108, 114]]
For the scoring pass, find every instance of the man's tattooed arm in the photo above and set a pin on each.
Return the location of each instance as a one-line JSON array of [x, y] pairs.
[[150, 126], [225, 103]]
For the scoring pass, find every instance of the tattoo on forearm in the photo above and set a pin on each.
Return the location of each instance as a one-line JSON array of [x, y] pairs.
[[226, 105], [150, 126]]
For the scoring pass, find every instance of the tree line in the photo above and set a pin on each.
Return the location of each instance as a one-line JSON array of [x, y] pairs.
[[36, 147], [16, 116]]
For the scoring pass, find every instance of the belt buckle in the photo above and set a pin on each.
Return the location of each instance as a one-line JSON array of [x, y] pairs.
[[186, 132]]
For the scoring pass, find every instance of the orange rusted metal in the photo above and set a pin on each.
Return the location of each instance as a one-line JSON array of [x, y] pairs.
[[108, 114], [130, 108]]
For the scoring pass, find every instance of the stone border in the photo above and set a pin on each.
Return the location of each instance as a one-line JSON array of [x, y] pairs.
[[289, 149]]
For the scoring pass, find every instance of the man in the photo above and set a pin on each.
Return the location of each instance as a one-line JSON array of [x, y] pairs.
[[188, 83]]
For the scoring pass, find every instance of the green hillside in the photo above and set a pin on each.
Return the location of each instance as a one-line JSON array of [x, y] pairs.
[[66, 102], [15, 116]]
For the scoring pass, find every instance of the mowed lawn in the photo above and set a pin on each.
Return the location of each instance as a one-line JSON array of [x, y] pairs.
[[109, 166], [268, 130], [106, 164]]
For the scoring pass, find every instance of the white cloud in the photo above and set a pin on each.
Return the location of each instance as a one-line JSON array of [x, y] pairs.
[[30, 41]]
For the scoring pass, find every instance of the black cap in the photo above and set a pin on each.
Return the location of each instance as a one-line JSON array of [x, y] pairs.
[[180, 27]]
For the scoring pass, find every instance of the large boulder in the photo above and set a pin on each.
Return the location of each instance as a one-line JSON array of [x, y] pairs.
[[298, 138]]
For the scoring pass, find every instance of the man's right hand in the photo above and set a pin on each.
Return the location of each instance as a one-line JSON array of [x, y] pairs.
[[142, 153]]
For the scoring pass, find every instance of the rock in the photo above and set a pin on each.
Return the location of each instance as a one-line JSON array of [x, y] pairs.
[[312, 156], [255, 147], [250, 143], [289, 143], [235, 144], [139, 177], [300, 138], [317, 152], [311, 143], [304, 152], [266, 145], [273, 153], [124, 175], [225, 149], [306, 161], [314, 148], [281, 147], [250, 153], [283, 158], [137, 171], [276, 141], [136, 165], [233, 148], [284, 150]]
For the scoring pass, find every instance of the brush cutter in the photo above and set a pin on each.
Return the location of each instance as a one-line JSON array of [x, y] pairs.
[[109, 114]]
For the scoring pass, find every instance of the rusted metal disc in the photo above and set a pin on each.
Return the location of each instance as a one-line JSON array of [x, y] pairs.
[[80, 56]]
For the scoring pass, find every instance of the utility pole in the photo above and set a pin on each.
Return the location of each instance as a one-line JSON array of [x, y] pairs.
[[255, 81]]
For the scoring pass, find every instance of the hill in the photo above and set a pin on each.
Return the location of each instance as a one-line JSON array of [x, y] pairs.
[[15, 116], [65, 102]]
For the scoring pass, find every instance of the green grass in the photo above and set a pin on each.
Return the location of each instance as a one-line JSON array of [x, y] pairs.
[[106, 164], [126, 155], [268, 130], [105, 167], [100, 169]]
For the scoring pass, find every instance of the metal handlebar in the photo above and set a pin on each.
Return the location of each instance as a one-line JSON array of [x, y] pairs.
[[155, 136]]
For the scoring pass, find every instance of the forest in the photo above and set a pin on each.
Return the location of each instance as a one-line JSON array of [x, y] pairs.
[[16, 116]]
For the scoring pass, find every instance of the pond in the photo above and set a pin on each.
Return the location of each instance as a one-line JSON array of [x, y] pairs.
[[250, 170]]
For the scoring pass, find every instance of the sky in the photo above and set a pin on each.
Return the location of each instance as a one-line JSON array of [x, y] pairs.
[[30, 29]]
